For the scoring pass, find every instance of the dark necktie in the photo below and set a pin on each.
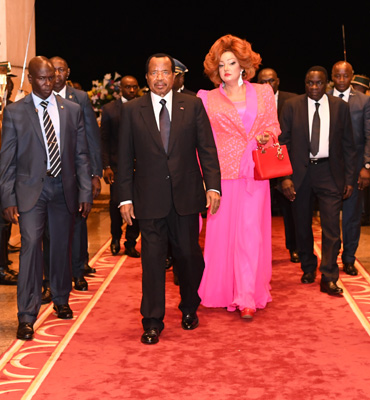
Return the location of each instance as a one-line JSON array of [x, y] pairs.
[[315, 133], [164, 125], [53, 148], [341, 95]]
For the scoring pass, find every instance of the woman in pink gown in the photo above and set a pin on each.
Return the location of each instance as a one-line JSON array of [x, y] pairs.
[[238, 237]]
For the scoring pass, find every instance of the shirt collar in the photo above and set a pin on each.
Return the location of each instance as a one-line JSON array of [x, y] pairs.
[[346, 93], [37, 100], [62, 93], [157, 99]]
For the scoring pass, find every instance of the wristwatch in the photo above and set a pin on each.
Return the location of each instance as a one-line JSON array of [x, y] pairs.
[[367, 166]]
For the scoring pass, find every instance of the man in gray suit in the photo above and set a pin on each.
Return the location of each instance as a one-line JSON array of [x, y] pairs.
[[79, 241], [359, 107], [45, 177]]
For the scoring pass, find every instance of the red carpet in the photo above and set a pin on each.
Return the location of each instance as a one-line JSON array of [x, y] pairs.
[[304, 345]]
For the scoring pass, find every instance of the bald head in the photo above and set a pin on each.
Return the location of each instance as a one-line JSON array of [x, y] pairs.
[[41, 76], [341, 75], [268, 75]]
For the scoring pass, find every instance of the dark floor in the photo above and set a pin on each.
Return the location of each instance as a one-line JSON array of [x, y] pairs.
[[98, 229]]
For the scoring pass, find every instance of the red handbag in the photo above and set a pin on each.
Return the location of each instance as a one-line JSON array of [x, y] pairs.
[[271, 162]]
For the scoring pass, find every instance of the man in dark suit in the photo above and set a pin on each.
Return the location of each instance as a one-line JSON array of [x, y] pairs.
[[162, 135], [109, 128], [317, 130], [359, 107], [268, 75], [45, 177], [80, 255]]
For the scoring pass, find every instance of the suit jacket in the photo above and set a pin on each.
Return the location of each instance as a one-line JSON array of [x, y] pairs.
[[282, 96], [295, 134], [91, 127], [359, 107], [23, 156], [110, 119], [161, 180]]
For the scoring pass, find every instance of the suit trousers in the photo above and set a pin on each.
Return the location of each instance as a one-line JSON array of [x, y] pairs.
[[318, 183], [182, 232], [79, 249], [132, 231], [50, 208], [351, 224]]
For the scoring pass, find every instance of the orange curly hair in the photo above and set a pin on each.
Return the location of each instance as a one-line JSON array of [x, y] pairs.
[[249, 60]]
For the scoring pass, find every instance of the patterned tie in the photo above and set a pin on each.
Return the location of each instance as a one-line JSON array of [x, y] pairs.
[[315, 133], [164, 125], [54, 156]]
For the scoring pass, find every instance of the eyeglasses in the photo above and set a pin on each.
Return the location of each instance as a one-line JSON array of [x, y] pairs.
[[156, 72]]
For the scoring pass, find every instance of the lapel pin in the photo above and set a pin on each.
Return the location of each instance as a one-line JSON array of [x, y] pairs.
[[70, 96], [181, 108], [62, 107]]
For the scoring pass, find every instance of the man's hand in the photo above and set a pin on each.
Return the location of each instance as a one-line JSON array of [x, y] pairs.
[[96, 186], [363, 179], [108, 176], [85, 209], [213, 201], [127, 213], [287, 186], [348, 189], [11, 214]]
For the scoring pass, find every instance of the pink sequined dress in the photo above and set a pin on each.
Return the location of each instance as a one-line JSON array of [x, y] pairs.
[[237, 249]]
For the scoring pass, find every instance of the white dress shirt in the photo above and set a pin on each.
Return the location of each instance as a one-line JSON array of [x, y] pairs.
[[52, 110], [324, 114]]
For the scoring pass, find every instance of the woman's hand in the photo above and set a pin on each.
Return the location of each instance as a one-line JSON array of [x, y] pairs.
[[264, 138]]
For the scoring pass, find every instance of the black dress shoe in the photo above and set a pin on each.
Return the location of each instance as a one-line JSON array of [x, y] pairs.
[[294, 257], [189, 321], [7, 278], [13, 249], [132, 252], [80, 284], [63, 311], [88, 270], [150, 336], [46, 295], [330, 288], [115, 246], [308, 277], [350, 269], [25, 331]]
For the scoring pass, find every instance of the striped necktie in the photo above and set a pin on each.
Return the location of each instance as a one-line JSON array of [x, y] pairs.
[[53, 148]]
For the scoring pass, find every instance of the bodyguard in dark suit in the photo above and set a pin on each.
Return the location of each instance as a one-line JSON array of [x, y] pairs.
[[268, 75], [165, 132], [109, 128], [45, 177], [179, 83], [359, 107], [80, 239], [317, 130]]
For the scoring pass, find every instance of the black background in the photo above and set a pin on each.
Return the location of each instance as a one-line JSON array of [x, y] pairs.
[[99, 37]]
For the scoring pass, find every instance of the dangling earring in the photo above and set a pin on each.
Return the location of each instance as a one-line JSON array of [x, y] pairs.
[[223, 85], [240, 80]]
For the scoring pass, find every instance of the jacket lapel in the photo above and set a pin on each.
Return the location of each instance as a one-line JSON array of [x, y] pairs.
[[178, 112], [34, 118], [62, 121], [147, 113]]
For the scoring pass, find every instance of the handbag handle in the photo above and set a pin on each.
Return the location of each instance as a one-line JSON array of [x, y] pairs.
[[279, 151]]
